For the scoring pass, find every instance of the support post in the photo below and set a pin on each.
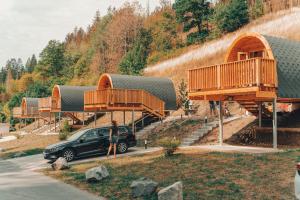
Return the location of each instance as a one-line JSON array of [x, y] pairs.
[[143, 123], [54, 123], [59, 120], [220, 123], [124, 118], [83, 119], [259, 113], [95, 119], [50, 123], [274, 123], [133, 131], [111, 115]]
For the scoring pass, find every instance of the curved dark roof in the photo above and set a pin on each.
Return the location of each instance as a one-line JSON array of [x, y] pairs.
[[72, 97], [32, 102], [163, 88], [287, 55]]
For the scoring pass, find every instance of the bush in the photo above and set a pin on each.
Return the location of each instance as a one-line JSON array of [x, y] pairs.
[[169, 144], [64, 130], [63, 135]]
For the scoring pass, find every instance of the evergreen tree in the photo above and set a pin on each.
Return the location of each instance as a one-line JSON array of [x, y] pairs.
[[193, 14], [52, 61], [183, 93], [28, 65], [230, 16], [136, 59], [33, 63]]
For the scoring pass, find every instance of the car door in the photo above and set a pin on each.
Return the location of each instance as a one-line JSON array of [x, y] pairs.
[[123, 132], [104, 134], [89, 143]]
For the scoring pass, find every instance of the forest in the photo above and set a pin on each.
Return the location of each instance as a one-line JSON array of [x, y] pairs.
[[124, 40]]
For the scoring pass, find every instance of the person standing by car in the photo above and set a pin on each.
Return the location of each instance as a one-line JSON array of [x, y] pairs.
[[113, 138]]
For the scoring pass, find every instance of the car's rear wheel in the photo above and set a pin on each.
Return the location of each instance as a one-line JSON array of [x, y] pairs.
[[122, 147], [68, 154]]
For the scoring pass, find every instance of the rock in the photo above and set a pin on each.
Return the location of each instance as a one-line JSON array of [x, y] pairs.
[[96, 174], [143, 187], [60, 164], [172, 192], [2, 150]]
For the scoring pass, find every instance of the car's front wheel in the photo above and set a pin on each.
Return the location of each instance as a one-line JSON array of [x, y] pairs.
[[122, 147], [68, 154]]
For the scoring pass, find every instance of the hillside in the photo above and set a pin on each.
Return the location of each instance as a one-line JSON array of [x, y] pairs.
[[282, 24]]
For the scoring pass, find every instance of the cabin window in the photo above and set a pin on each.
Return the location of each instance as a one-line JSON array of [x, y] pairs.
[[242, 56], [256, 54]]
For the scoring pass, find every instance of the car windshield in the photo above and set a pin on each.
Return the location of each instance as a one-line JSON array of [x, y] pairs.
[[76, 135]]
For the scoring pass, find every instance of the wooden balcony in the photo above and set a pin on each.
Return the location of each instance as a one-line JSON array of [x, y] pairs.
[[49, 104], [256, 76], [123, 99], [45, 104], [31, 112], [17, 112]]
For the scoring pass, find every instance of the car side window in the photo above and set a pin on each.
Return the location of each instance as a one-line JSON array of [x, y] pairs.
[[90, 135], [103, 132], [122, 130]]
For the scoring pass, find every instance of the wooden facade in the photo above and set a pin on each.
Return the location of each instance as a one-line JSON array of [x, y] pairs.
[[29, 108], [17, 112], [248, 73], [45, 104]]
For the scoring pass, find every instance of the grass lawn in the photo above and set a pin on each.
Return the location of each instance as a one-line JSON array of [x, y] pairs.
[[205, 175]]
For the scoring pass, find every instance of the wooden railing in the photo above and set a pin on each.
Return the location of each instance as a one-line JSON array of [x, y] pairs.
[[17, 112], [239, 74], [30, 112], [45, 104], [117, 97]]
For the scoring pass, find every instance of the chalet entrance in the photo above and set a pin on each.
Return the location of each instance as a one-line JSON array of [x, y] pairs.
[[256, 69]]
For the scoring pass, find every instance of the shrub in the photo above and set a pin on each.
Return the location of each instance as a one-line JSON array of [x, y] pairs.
[[63, 135], [64, 130], [169, 144]]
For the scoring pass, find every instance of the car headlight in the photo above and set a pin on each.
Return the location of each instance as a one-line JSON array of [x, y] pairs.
[[54, 149]]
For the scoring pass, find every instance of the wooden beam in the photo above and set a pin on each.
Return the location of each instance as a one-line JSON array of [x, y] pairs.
[[220, 123], [275, 123]]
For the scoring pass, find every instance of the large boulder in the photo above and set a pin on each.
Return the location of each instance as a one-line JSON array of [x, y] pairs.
[[60, 164], [96, 173], [172, 192], [1, 150], [143, 187]]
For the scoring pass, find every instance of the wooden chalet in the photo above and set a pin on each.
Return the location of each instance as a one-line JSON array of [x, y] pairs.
[[115, 92], [28, 109], [257, 68]]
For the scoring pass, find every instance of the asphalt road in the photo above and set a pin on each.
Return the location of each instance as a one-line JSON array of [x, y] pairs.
[[20, 181]]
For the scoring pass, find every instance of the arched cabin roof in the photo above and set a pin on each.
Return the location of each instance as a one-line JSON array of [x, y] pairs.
[[29, 103], [162, 88], [71, 97], [285, 52]]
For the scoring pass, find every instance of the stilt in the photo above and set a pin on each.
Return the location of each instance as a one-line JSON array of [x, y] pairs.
[[54, 123], [59, 121], [220, 123], [95, 119], [259, 113], [143, 123], [50, 123], [124, 118], [111, 116], [275, 123], [133, 131], [83, 119]]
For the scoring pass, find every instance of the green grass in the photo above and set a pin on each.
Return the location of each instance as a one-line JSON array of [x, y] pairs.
[[22, 153], [206, 176]]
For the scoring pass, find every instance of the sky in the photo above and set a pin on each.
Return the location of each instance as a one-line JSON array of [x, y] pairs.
[[26, 26]]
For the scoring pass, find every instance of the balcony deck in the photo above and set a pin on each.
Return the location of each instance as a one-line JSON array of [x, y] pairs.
[[17, 112], [123, 100], [241, 80], [49, 104]]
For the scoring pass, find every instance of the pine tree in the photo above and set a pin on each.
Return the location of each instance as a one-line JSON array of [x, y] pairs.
[[33, 63]]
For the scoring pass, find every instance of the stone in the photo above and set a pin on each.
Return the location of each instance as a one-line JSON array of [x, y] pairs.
[[172, 192], [2, 150], [143, 187], [96, 174], [60, 164]]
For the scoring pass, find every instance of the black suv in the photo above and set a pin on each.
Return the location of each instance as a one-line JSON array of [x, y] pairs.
[[89, 142]]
